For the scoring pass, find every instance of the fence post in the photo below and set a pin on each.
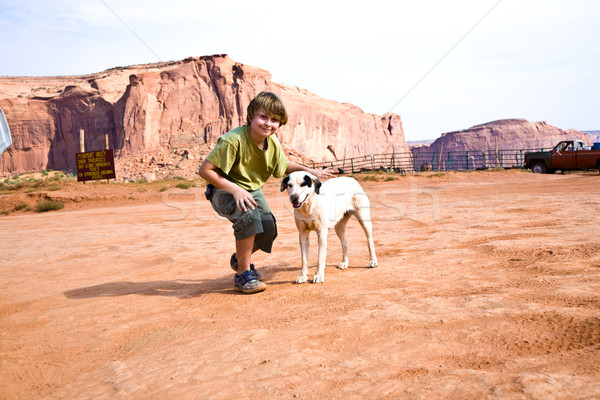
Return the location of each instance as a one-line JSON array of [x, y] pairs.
[[467, 159], [521, 159], [82, 143]]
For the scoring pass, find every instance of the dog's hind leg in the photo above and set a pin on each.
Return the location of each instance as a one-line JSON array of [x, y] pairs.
[[340, 229], [364, 218]]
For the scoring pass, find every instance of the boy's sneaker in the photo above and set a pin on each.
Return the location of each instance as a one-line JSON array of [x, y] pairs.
[[248, 283], [234, 266]]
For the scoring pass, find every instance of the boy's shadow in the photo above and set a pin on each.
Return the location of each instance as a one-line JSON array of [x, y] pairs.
[[182, 289]]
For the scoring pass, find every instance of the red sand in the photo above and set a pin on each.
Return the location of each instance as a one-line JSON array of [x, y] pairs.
[[487, 288]]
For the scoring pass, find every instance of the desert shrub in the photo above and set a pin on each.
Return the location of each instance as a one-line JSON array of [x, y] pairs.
[[17, 186], [49, 205], [367, 178], [20, 206], [437, 175], [185, 185]]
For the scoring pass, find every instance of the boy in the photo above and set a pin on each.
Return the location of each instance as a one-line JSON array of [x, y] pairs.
[[236, 169]]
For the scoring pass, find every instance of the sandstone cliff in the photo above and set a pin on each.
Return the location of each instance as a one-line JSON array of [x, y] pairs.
[[505, 134], [151, 112], [493, 144]]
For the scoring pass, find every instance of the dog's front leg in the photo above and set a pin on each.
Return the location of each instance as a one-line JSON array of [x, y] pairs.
[[320, 274], [304, 247]]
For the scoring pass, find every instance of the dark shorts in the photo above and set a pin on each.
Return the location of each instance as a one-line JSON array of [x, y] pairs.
[[259, 222]]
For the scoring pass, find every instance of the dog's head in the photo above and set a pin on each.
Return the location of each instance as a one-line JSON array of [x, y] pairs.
[[301, 186]]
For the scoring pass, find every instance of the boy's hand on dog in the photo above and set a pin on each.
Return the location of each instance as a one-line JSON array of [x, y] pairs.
[[325, 173]]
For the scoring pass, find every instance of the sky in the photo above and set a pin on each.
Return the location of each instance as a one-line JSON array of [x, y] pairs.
[[441, 65]]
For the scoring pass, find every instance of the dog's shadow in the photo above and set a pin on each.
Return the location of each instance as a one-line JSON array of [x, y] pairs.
[[183, 288]]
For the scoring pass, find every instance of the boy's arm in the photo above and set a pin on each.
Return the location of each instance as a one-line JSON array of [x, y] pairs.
[[208, 171], [319, 173]]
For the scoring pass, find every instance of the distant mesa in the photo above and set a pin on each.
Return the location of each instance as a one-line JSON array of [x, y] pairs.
[[506, 134]]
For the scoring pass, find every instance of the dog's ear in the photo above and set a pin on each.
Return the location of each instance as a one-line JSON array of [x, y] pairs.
[[307, 181], [284, 183], [317, 185]]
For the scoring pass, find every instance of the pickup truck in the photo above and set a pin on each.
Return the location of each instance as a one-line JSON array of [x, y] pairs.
[[566, 155]]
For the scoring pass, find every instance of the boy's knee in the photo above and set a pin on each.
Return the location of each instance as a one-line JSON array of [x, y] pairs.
[[264, 241], [269, 225]]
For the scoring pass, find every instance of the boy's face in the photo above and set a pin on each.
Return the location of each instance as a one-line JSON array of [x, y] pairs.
[[263, 126]]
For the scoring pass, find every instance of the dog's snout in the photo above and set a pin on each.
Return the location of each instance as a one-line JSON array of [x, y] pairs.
[[294, 198]]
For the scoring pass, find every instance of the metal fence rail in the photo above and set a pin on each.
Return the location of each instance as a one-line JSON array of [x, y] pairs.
[[431, 161]]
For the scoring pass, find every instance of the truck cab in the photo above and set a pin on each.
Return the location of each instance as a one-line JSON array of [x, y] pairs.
[[570, 145]]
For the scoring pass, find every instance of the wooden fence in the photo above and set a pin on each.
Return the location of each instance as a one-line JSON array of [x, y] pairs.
[[431, 161]]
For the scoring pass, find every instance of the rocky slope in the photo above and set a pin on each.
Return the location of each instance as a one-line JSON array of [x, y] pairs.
[[163, 118]]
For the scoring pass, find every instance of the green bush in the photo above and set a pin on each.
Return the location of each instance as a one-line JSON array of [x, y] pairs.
[[49, 205], [20, 206], [185, 185]]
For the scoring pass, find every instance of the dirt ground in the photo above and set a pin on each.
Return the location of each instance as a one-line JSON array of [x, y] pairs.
[[487, 288]]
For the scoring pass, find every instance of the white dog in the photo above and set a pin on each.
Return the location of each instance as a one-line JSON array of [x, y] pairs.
[[320, 206]]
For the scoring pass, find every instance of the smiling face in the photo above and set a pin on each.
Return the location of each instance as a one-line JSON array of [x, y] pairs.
[[262, 126], [300, 186]]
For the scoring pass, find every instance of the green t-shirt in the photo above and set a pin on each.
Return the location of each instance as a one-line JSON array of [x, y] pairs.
[[242, 162]]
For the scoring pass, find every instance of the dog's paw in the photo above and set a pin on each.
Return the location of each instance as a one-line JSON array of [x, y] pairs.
[[319, 278], [343, 265], [372, 263], [302, 279]]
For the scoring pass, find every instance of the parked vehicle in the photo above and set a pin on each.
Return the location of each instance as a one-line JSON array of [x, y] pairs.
[[566, 155]]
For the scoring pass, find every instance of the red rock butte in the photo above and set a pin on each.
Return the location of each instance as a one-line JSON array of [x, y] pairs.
[[153, 110]]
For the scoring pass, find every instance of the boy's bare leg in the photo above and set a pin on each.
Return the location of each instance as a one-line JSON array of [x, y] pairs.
[[243, 250]]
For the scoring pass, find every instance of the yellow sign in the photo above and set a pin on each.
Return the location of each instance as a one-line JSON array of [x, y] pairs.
[[95, 165]]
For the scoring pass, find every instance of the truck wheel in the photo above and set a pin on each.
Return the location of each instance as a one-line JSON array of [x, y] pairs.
[[538, 168]]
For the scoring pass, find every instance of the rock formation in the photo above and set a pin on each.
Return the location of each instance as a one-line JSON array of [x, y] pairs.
[[488, 145], [504, 134], [150, 112]]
